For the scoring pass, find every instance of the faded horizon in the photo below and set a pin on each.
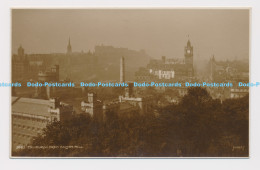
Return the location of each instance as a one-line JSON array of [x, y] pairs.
[[222, 32]]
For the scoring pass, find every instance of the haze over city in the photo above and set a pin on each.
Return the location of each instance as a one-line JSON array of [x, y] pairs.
[[186, 96], [224, 33]]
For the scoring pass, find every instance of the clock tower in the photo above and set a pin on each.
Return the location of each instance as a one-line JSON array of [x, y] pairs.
[[188, 53]]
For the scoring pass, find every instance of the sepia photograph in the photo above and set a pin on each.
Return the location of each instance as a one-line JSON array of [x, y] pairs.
[[130, 83]]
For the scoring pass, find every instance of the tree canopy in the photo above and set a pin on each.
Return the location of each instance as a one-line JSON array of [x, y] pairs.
[[197, 126]]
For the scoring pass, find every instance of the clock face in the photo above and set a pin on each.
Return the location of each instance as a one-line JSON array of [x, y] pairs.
[[188, 51]]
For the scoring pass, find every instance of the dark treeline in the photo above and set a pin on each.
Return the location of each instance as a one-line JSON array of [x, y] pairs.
[[198, 126]]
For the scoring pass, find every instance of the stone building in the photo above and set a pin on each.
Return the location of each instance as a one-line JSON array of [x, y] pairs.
[[51, 75], [168, 69], [93, 106], [143, 103], [220, 71], [20, 65], [126, 105], [238, 92], [31, 116], [99, 110]]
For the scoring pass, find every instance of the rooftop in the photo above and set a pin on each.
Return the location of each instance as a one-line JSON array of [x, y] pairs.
[[37, 107]]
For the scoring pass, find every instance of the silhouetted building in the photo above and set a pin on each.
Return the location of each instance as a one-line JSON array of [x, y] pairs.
[[26, 67], [220, 71], [188, 51], [20, 65], [109, 61], [167, 69], [50, 75], [93, 106]]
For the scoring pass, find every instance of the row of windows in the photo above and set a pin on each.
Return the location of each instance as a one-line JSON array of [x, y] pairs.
[[21, 124], [166, 76], [143, 77], [239, 90], [27, 127], [237, 95], [25, 136], [165, 72], [25, 122], [29, 118]]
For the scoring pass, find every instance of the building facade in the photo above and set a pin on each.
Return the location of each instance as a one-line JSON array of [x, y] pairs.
[[31, 116], [168, 69], [20, 65]]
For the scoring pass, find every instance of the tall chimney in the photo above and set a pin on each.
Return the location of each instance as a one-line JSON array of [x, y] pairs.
[[122, 70]]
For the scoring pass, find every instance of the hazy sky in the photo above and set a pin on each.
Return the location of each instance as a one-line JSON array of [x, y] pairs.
[[224, 33]]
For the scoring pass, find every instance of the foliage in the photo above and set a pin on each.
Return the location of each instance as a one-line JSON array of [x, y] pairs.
[[197, 126]]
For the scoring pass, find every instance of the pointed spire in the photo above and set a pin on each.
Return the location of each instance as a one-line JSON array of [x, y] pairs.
[[188, 43], [69, 47]]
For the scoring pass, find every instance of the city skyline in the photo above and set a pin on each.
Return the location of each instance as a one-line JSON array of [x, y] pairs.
[[119, 102], [219, 32]]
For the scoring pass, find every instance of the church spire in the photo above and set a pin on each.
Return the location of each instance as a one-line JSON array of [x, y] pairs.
[[69, 50]]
